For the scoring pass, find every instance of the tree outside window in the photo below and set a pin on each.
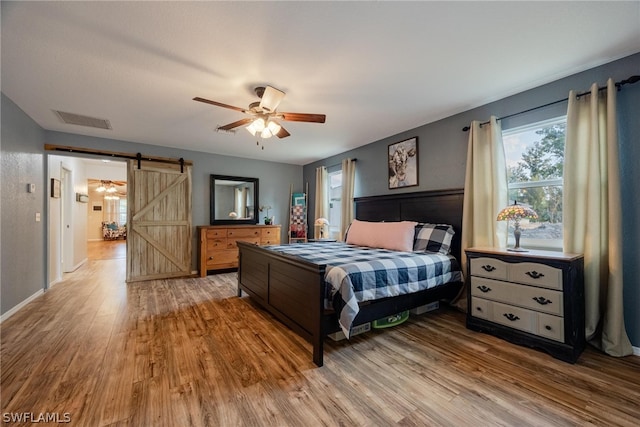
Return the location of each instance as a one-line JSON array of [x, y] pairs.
[[535, 162]]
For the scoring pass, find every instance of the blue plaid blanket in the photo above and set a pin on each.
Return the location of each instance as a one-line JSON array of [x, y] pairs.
[[361, 273]]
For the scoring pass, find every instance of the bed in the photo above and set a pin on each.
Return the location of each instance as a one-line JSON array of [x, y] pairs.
[[295, 289]]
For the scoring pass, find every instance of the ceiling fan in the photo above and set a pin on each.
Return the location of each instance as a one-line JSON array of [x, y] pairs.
[[264, 116]]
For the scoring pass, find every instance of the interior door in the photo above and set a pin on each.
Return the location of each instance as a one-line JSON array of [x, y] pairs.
[[159, 221], [66, 216]]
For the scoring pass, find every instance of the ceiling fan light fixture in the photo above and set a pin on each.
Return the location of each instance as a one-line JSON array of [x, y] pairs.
[[266, 133], [252, 129], [273, 127], [259, 124]]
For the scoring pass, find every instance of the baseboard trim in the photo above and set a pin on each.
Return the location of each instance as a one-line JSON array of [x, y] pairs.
[[77, 266], [55, 282], [17, 308]]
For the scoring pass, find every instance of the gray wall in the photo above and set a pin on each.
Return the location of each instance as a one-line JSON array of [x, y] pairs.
[[22, 250], [22, 245], [443, 150]]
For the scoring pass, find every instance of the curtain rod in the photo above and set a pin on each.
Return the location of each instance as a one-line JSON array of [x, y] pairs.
[[339, 164], [630, 80]]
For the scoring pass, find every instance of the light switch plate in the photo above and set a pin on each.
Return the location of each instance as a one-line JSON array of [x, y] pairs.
[[31, 188]]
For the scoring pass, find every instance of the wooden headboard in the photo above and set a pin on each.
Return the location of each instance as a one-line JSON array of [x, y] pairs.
[[436, 207]]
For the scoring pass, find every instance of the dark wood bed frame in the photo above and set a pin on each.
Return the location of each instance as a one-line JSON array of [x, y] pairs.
[[293, 290]]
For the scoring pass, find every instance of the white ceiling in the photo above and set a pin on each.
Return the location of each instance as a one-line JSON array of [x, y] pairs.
[[374, 68]]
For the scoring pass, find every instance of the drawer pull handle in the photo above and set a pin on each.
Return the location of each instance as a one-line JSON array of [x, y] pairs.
[[511, 317], [542, 300], [534, 274], [479, 308], [484, 289], [210, 257], [488, 268], [547, 327]]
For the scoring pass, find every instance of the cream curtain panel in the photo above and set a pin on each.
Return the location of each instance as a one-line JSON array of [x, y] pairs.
[[348, 183], [592, 213], [322, 195], [485, 191]]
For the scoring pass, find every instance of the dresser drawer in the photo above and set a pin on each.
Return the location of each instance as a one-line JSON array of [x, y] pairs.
[[216, 233], [480, 308], [551, 327], [539, 299], [222, 258], [489, 267], [270, 241], [243, 232], [536, 274], [269, 233], [231, 242], [513, 317], [216, 244]]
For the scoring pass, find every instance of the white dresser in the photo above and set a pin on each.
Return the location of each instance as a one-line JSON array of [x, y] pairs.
[[531, 298]]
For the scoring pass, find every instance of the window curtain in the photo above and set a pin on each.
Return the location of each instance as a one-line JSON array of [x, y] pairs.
[[241, 202], [348, 183], [322, 196], [592, 213], [485, 192]]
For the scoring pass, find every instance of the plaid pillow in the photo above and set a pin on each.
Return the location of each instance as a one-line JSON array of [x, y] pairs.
[[433, 238]]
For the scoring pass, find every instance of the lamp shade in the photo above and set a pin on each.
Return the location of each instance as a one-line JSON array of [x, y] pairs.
[[321, 221], [515, 213], [321, 228]]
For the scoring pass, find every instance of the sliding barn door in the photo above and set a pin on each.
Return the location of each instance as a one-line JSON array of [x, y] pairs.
[[159, 224]]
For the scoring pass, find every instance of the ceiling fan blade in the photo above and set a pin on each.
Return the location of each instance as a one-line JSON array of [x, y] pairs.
[[240, 122], [219, 104], [271, 98], [302, 117], [282, 133]]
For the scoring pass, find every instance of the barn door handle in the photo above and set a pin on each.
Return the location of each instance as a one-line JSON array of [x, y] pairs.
[[488, 268], [534, 274], [542, 300], [511, 317], [484, 289]]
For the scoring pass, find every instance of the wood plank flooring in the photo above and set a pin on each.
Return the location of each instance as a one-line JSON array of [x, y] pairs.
[[188, 352]]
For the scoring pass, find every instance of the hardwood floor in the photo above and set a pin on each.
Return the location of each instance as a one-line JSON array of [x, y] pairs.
[[186, 352], [107, 249]]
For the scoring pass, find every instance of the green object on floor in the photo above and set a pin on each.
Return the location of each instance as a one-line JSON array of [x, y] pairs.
[[390, 321]]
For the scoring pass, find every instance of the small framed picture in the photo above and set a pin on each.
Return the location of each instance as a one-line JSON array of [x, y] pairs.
[[55, 188], [403, 163]]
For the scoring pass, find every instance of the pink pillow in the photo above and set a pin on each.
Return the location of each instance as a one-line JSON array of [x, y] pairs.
[[396, 236]]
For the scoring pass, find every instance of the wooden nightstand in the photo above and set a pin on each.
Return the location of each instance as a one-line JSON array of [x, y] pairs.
[[531, 298]]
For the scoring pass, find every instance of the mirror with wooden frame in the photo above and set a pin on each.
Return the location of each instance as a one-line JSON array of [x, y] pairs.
[[234, 200]]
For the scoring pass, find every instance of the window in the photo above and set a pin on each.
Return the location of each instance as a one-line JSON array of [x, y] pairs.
[[335, 203], [122, 211], [535, 162]]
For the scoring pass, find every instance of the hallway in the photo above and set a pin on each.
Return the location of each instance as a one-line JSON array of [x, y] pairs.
[[106, 249]]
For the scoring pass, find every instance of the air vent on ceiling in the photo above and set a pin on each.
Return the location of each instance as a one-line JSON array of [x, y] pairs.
[[80, 120]]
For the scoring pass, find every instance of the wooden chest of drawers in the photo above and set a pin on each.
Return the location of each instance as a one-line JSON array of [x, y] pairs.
[[217, 247], [531, 298]]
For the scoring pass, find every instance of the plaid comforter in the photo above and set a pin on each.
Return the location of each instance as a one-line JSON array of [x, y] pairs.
[[361, 273]]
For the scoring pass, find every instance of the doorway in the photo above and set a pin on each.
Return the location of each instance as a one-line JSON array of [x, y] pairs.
[[69, 228]]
